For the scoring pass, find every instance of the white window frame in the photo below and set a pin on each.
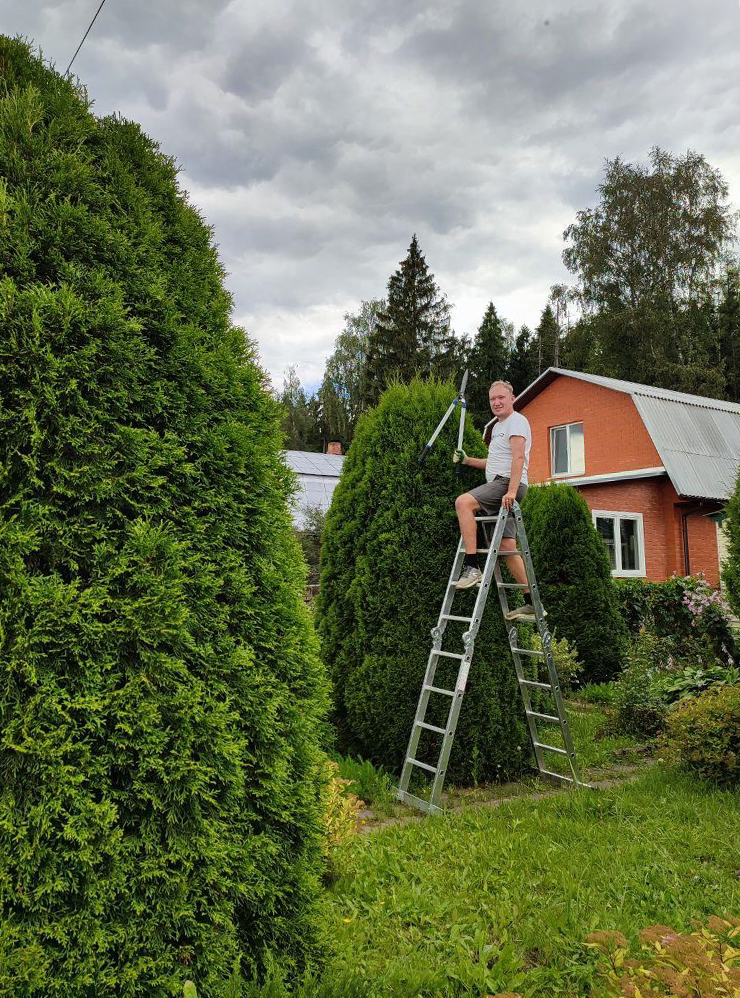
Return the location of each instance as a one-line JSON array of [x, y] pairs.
[[571, 471], [617, 515]]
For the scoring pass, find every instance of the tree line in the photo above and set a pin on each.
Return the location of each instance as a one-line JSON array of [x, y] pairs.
[[655, 299]]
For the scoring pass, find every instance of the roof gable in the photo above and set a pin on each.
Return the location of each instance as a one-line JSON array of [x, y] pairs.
[[697, 438]]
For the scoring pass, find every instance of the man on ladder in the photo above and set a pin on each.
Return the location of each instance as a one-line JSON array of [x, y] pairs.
[[506, 481]]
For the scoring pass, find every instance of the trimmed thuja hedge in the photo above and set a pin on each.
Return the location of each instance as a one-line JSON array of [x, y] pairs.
[[161, 685], [574, 578], [731, 566], [390, 538]]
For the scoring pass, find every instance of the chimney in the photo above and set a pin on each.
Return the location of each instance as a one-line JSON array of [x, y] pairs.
[[334, 447]]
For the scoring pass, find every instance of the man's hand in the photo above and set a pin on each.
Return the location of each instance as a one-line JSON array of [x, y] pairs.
[[508, 500], [459, 456]]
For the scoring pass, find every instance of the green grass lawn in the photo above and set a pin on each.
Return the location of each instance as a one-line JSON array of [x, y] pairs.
[[497, 899], [599, 756]]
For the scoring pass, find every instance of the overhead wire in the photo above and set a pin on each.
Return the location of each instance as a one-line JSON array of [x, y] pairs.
[[84, 37]]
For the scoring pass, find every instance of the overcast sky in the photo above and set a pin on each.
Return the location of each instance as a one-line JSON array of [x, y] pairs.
[[316, 136]]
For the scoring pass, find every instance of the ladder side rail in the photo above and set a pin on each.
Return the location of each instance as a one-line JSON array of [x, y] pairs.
[[546, 639], [531, 722], [469, 637], [560, 705], [431, 669]]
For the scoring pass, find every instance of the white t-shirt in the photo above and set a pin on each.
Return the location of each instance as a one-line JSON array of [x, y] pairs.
[[499, 450]]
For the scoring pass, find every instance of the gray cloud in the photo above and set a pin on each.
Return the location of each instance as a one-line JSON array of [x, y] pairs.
[[316, 137]]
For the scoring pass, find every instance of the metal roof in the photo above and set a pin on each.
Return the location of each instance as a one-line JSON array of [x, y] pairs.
[[697, 438], [317, 475], [305, 462]]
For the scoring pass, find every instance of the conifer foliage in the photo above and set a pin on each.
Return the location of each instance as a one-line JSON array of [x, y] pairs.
[[390, 537], [488, 362], [574, 578], [731, 567], [412, 334], [161, 685]]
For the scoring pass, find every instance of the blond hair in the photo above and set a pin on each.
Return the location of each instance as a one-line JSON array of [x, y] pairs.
[[506, 384]]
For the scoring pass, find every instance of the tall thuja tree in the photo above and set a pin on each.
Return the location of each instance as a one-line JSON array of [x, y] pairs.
[[413, 331], [161, 682], [487, 362], [731, 566], [574, 578], [389, 540]]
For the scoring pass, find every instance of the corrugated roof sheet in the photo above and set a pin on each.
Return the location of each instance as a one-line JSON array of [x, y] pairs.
[[698, 445], [698, 438], [318, 475], [307, 463]]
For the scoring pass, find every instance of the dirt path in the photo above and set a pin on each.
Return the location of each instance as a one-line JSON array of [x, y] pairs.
[[476, 798]]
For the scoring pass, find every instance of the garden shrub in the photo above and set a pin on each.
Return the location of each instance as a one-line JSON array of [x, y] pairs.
[[574, 578], [565, 659], [686, 610], [681, 964], [159, 776], [390, 537], [639, 699], [341, 808], [703, 734]]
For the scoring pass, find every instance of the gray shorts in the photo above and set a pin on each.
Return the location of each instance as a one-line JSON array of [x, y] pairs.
[[489, 498]]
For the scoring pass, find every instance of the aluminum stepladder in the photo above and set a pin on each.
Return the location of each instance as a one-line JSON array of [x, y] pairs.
[[550, 688]]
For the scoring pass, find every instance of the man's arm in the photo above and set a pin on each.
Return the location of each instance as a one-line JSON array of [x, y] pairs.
[[476, 462], [517, 466]]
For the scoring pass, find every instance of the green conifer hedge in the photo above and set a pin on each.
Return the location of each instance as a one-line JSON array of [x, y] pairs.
[[161, 684], [731, 566], [574, 578], [390, 537]]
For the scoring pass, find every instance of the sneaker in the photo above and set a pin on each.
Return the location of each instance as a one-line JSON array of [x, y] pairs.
[[469, 576], [526, 610]]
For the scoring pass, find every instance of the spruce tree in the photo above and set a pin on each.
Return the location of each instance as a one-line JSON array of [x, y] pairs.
[[302, 418], [159, 814], [728, 317], [523, 364], [547, 336], [488, 361], [412, 332], [389, 540], [574, 578]]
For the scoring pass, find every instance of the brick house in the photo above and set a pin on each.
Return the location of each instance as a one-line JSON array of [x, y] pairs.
[[654, 466]]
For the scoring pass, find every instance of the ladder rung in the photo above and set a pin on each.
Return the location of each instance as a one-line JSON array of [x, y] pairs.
[[433, 727], [513, 585], [451, 616], [557, 776], [505, 554], [550, 748], [531, 682], [542, 717], [528, 651], [437, 689], [421, 765], [449, 654], [423, 805]]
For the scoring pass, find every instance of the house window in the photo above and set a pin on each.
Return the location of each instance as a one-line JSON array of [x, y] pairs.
[[624, 540], [567, 456]]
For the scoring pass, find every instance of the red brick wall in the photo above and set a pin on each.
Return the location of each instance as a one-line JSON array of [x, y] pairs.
[[657, 500], [614, 435]]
